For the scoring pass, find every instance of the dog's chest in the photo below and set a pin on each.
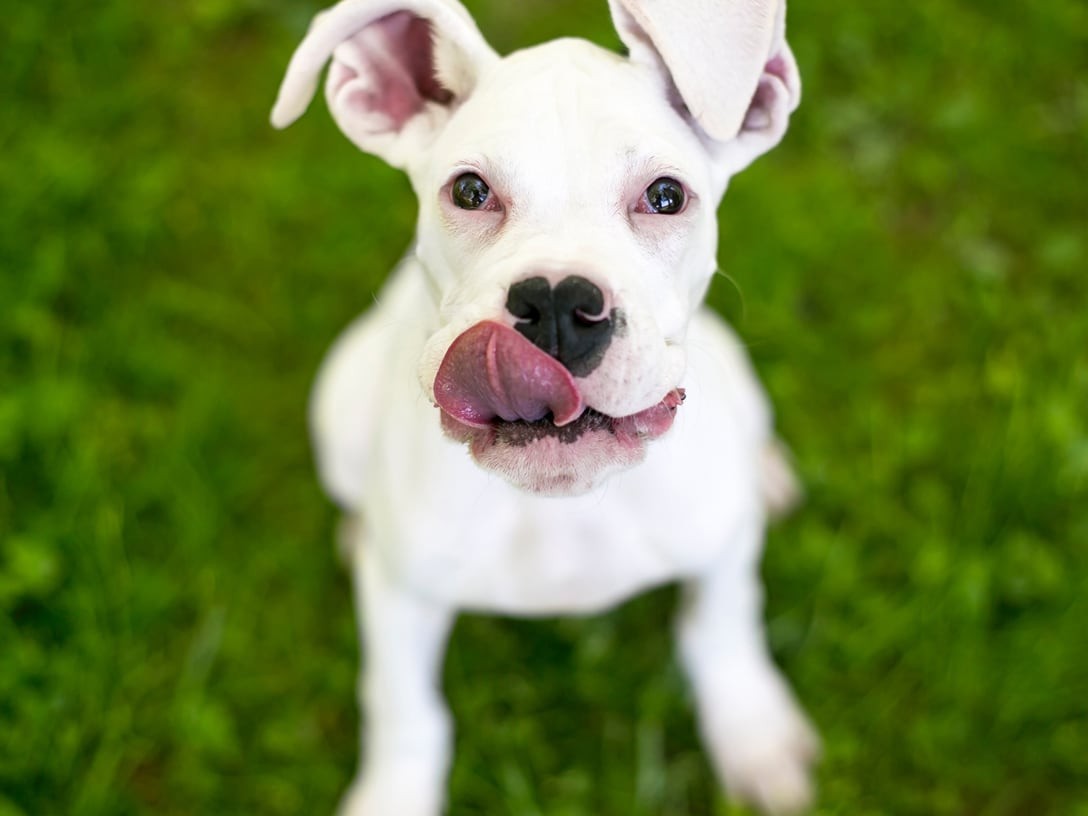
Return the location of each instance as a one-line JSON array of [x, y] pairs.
[[478, 543]]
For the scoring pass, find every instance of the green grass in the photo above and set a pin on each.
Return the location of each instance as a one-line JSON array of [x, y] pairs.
[[909, 271]]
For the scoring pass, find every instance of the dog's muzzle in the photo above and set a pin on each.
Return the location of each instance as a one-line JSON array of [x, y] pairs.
[[521, 412]]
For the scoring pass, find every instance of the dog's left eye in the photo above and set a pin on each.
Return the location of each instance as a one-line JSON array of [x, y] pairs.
[[469, 191], [665, 197]]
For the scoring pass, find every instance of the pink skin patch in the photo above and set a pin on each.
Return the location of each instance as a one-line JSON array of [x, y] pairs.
[[651, 423], [398, 77], [522, 415]]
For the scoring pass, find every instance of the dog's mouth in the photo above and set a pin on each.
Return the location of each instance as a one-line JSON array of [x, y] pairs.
[[523, 416]]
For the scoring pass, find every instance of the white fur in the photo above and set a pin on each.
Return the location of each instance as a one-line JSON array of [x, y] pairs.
[[568, 136]]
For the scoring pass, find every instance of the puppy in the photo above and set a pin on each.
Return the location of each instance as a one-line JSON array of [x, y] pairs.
[[539, 417]]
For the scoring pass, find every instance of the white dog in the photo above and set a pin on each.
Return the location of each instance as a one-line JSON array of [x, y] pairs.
[[507, 429]]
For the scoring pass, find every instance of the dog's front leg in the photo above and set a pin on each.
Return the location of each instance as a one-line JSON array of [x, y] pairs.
[[759, 740], [406, 726]]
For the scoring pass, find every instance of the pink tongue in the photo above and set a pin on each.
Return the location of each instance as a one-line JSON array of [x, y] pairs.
[[491, 371]]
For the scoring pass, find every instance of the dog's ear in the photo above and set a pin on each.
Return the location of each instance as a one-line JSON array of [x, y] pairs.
[[399, 67], [727, 60]]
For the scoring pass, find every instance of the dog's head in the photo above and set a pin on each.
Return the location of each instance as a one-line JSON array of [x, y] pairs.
[[567, 221]]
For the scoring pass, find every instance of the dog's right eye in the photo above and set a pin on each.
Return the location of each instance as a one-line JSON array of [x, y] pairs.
[[665, 197], [469, 191]]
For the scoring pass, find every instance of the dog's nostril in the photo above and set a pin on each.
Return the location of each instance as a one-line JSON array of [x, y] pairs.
[[528, 299], [584, 319], [569, 322]]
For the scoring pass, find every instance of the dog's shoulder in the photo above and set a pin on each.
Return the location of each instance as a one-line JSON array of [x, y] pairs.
[[720, 363], [352, 390], [718, 348], [342, 410]]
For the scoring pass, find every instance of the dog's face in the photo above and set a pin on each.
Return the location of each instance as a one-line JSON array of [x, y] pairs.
[[596, 264], [567, 227]]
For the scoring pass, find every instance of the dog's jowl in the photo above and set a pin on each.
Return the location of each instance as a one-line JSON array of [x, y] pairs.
[[539, 416]]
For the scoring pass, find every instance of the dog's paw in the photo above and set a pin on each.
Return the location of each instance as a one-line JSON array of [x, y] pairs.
[[395, 793], [776, 779], [765, 754]]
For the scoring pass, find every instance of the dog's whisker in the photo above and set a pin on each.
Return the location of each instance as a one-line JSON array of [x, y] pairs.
[[732, 281]]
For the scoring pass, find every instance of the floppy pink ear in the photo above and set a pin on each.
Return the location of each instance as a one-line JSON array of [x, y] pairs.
[[398, 70], [728, 61]]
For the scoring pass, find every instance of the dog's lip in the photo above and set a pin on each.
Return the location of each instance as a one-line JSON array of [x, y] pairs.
[[497, 390], [629, 431]]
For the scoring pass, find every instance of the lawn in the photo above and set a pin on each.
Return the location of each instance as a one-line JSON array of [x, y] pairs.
[[908, 270]]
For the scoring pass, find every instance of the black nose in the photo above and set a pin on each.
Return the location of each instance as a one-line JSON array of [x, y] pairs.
[[568, 321]]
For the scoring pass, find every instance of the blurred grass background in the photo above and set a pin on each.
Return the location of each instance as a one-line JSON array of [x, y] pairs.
[[909, 271]]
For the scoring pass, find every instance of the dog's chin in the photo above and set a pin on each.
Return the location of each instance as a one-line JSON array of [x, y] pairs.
[[550, 460]]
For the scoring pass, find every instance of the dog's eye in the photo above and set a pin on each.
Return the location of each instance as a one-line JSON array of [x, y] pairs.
[[469, 191], [665, 196]]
